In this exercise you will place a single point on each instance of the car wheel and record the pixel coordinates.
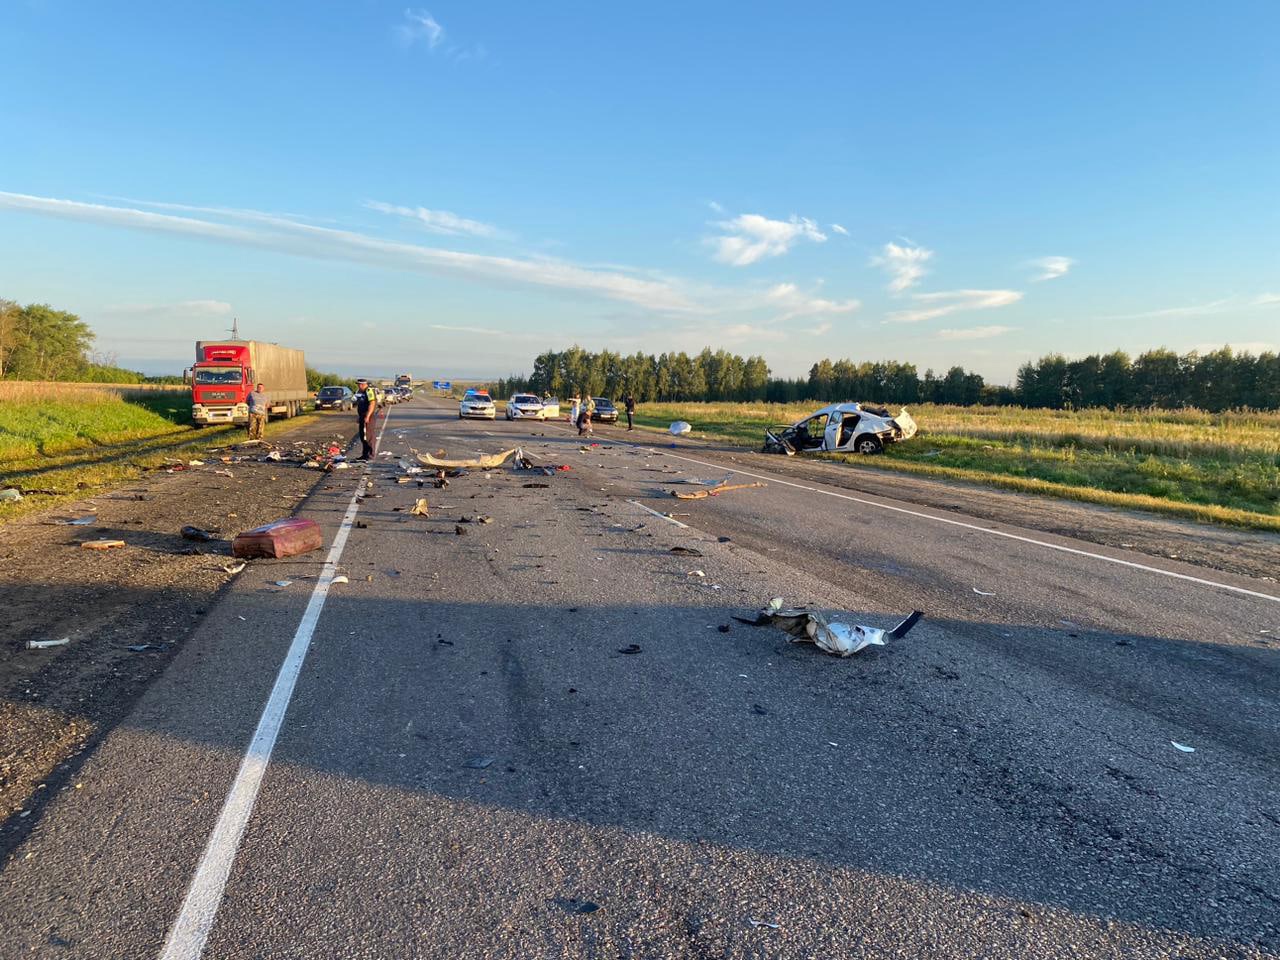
(868, 444)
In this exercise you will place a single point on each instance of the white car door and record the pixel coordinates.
(831, 436)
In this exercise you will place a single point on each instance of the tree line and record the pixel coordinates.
(1215, 381)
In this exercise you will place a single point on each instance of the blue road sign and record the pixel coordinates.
(441, 384)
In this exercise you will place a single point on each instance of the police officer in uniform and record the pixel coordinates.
(366, 407)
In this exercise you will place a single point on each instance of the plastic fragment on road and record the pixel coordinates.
(679, 428)
(839, 639)
(10, 495)
(273, 455)
(716, 490)
(486, 462)
(1182, 746)
(281, 538)
(343, 465)
(140, 647)
(80, 521)
(283, 583)
(694, 481)
(762, 923)
(630, 648)
(197, 535)
(195, 463)
(536, 486)
(685, 551)
(234, 568)
(340, 578)
(697, 573)
(478, 763)
(419, 508)
(45, 644)
(982, 593)
(101, 544)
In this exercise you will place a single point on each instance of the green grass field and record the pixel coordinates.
(1217, 467)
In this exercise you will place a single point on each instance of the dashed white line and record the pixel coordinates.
(190, 931)
(663, 516)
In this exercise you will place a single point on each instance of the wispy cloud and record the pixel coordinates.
(1051, 268)
(944, 302)
(905, 264)
(1224, 305)
(974, 333)
(836, 228)
(795, 303)
(419, 25)
(738, 332)
(283, 235)
(182, 309)
(751, 237)
(439, 221)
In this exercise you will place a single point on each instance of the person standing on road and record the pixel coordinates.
(584, 416)
(259, 404)
(366, 407)
(629, 403)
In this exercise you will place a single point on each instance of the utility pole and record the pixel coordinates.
(235, 328)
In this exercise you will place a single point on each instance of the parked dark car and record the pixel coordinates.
(606, 412)
(334, 398)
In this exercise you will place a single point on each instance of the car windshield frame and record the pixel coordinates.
(207, 376)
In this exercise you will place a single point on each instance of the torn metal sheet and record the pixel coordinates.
(485, 462)
(840, 639)
(716, 490)
(841, 427)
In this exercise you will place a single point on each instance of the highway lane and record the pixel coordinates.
(1001, 782)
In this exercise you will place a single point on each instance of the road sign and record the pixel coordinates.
(441, 385)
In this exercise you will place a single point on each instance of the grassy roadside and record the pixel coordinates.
(1219, 468)
(71, 444)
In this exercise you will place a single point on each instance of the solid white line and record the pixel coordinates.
(656, 513)
(190, 931)
(980, 529)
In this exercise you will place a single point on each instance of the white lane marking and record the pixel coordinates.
(973, 526)
(190, 931)
(656, 513)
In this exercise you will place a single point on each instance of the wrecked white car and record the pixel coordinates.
(841, 427)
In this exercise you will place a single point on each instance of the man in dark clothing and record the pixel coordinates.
(629, 402)
(366, 407)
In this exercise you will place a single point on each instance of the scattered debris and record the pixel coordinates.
(198, 535)
(630, 648)
(723, 628)
(982, 593)
(1183, 747)
(536, 486)
(283, 583)
(841, 639)
(716, 490)
(762, 923)
(686, 551)
(478, 763)
(234, 568)
(697, 573)
(101, 544)
(81, 521)
(419, 508)
(340, 578)
(273, 455)
(459, 529)
(10, 495)
(140, 647)
(45, 644)
(679, 428)
(758, 710)
(281, 538)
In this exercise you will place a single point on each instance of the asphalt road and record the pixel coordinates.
(470, 765)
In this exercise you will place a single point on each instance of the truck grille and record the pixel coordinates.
(219, 395)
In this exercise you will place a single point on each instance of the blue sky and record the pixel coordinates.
(451, 188)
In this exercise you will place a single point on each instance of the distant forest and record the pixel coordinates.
(1216, 381)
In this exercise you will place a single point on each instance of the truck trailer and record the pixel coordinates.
(226, 371)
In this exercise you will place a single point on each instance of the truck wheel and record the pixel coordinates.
(868, 444)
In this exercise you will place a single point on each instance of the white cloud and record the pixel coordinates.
(439, 221)
(796, 303)
(326, 243)
(179, 310)
(945, 302)
(1051, 268)
(716, 207)
(974, 333)
(746, 331)
(420, 25)
(1224, 305)
(836, 228)
(904, 264)
(750, 238)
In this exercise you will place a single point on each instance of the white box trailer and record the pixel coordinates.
(226, 372)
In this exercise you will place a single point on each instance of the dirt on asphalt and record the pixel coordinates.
(149, 594)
